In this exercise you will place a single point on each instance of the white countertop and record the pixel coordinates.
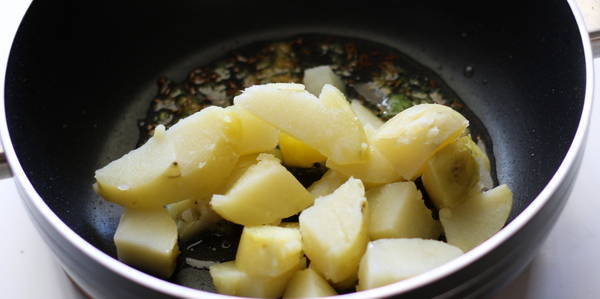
(567, 266)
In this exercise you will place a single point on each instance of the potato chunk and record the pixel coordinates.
(330, 181)
(256, 135)
(147, 239)
(297, 153)
(315, 78)
(308, 284)
(411, 137)
(477, 218)
(390, 260)
(229, 280)
(326, 124)
(191, 160)
(268, 250)
(334, 231)
(451, 174)
(366, 116)
(192, 217)
(265, 193)
(398, 211)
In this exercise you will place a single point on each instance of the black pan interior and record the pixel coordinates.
(80, 75)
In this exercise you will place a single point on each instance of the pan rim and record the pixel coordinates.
(33, 199)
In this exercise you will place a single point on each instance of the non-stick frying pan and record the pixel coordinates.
(80, 75)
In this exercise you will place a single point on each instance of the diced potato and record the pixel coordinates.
(205, 145)
(132, 181)
(265, 193)
(485, 173)
(326, 124)
(334, 231)
(411, 137)
(268, 250)
(308, 284)
(229, 280)
(315, 78)
(191, 160)
(147, 240)
(451, 174)
(376, 169)
(478, 218)
(365, 115)
(330, 181)
(297, 153)
(398, 211)
(192, 217)
(390, 260)
(256, 135)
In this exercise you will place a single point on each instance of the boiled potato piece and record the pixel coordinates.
(365, 115)
(390, 260)
(192, 217)
(205, 146)
(398, 211)
(485, 173)
(308, 284)
(265, 193)
(411, 137)
(147, 240)
(229, 280)
(191, 160)
(315, 78)
(451, 174)
(132, 181)
(330, 181)
(478, 218)
(268, 250)
(296, 153)
(256, 135)
(376, 169)
(334, 231)
(326, 124)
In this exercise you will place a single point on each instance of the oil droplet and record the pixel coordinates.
(532, 154)
(225, 244)
(468, 71)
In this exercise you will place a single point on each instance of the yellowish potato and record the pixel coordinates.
(334, 231)
(147, 240)
(131, 181)
(263, 194)
(229, 280)
(411, 137)
(267, 250)
(192, 217)
(308, 284)
(477, 218)
(191, 160)
(296, 153)
(326, 124)
(315, 78)
(390, 260)
(451, 174)
(398, 211)
(256, 135)
(330, 181)
(365, 115)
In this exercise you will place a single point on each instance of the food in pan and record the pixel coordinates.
(401, 194)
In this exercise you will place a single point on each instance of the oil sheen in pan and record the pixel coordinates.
(382, 78)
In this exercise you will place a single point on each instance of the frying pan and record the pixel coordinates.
(80, 75)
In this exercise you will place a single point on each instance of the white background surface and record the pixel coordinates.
(568, 265)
